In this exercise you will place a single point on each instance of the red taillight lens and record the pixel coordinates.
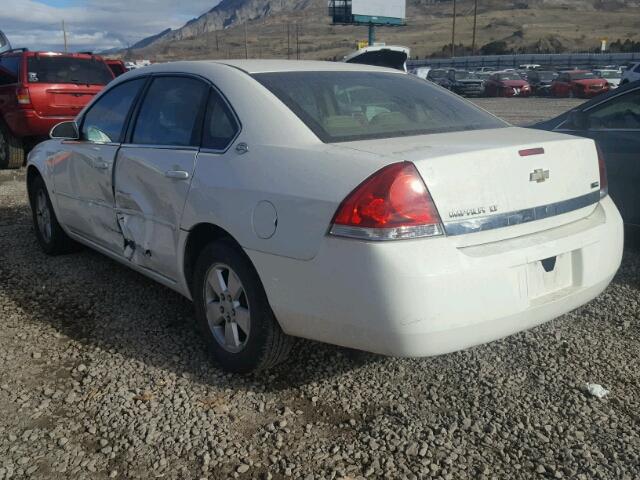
(22, 94)
(393, 203)
(604, 181)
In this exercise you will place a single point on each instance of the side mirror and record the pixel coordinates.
(65, 131)
(578, 120)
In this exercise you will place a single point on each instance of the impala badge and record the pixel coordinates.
(539, 175)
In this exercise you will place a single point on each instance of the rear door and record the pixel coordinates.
(83, 169)
(154, 170)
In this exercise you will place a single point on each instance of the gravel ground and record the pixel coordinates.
(103, 377)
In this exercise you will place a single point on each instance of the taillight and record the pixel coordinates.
(22, 94)
(393, 204)
(604, 181)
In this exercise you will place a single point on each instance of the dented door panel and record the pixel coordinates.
(150, 197)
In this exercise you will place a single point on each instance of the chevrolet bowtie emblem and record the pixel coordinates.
(539, 175)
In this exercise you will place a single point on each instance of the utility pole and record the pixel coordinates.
(297, 41)
(64, 34)
(288, 41)
(475, 26)
(215, 32)
(246, 46)
(453, 32)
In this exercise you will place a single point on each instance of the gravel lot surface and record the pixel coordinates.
(103, 376)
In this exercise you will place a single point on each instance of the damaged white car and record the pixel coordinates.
(348, 204)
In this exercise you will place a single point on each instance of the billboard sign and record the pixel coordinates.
(379, 11)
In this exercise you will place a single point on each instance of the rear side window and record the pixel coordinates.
(220, 126)
(60, 69)
(105, 121)
(9, 70)
(347, 106)
(171, 112)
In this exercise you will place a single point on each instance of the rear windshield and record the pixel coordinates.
(347, 106)
(437, 73)
(84, 71)
(465, 76)
(509, 76)
(607, 74)
(582, 76)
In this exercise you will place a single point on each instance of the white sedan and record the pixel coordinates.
(343, 203)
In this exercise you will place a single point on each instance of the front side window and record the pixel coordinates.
(621, 113)
(346, 106)
(61, 69)
(171, 112)
(105, 121)
(220, 126)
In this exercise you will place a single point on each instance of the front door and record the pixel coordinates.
(154, 169)
(83, 169)
(615, 126)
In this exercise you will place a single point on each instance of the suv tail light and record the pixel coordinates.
(22, 94)
(604, 181)
(393, 204)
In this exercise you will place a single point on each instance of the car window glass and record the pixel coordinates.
(171, 112)
(345, 106)
(622, 112)
(104, 122)
(220, 127)
(62, 69)
(9, 67)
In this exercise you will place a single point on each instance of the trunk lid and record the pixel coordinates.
(62, 100)
(479, 180)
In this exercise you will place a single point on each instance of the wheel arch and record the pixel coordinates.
(201, 235)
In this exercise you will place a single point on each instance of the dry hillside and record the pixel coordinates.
(533, 25)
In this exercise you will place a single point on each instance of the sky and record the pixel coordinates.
(93, 25)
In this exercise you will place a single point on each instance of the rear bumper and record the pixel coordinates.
(28, 123)
(429, 297)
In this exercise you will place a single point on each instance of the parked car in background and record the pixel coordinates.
(421, 72)
(613, 77)
(39, 90)
(302, 191)
(4, 43)
(117, 67)
(578, 84)
(465, 83)
(540, 81)
(530, 66)
(440, 76)
(389, 56)
(631, 74)
(506, 84)
(613, 121)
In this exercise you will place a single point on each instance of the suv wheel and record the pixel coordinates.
(11, 151)
(49, 233)
(233, 312)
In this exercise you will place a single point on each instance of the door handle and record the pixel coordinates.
(177, 174)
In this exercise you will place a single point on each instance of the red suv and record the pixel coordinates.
(39, 90)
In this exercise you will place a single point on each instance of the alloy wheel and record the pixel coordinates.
(43, 216)
(227, 308)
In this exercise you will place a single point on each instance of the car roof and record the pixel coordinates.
(268, 66)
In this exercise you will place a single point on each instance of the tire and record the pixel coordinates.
(51, 237)
(11, 150)
(253, 344)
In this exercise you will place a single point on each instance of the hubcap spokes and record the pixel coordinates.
(43, 216)
(227, 307)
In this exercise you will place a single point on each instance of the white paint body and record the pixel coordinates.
(406, 298)
(632, 74)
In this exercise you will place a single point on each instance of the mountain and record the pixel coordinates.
(220, 32)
